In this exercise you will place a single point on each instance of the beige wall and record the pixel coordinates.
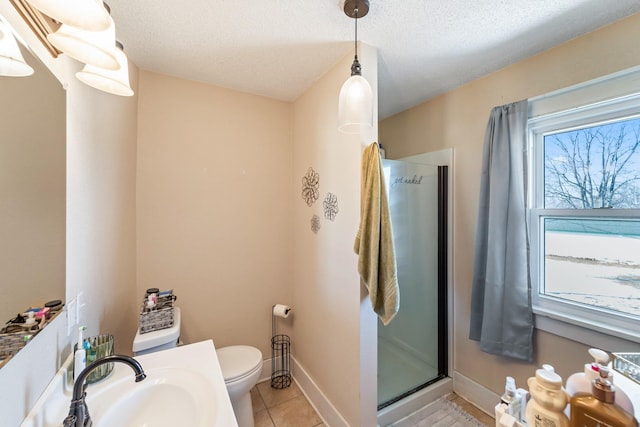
(101, 206)
(330, 341)
(214, 206)
(457, 120)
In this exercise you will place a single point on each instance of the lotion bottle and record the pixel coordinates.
(80, 356)
(598, 408)
(548, 400)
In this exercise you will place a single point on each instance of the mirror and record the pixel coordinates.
(32, 191)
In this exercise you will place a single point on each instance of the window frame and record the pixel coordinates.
(561, 316)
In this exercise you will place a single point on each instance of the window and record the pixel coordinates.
(584, 216)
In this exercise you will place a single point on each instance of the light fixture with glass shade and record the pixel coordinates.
(88, 15)
(355, 106)
(91, 47)
(115, 82)
(12, 63)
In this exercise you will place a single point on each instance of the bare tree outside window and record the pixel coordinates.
(595, 167)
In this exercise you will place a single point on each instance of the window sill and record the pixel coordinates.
(589, 333)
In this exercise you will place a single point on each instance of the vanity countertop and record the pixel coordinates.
(198, 360)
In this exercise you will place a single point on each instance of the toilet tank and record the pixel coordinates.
(158, 340)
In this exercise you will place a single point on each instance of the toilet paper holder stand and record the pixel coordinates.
(280, 352)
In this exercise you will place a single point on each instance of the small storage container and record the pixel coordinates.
(160, 339)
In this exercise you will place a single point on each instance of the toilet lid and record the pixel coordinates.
(238, 360)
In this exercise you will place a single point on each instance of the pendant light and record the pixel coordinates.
(115, 82)
(89, 15)
(12, 62)
(355, 106)
(91, 47)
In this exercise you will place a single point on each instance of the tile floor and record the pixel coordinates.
(289, 408)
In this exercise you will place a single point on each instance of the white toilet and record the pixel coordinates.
(241, 367)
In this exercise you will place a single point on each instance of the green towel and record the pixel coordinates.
(374, 240)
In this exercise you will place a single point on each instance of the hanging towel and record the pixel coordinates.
(374, 240)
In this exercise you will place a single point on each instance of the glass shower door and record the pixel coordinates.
(410, 356)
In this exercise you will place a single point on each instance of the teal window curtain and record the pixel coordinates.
(501, 314)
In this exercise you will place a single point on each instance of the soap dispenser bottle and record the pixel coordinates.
(598, 408)
(580, 382)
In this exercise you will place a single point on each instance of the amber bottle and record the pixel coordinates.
(598, 408)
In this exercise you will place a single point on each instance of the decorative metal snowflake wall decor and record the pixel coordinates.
(331, 206)
(310, 185)
(315, 224)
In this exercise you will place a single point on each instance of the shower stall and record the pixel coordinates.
(413, 348)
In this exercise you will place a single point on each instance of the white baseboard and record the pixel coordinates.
(325, 409)
(476, 393)
(265, 375)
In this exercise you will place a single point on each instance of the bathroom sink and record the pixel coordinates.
(167, 397)
(184, 387)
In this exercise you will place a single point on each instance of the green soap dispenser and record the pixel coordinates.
(598, 408)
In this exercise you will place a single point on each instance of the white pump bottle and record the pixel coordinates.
(580, 382)
(80, 356)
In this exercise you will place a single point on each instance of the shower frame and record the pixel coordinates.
(442, 286)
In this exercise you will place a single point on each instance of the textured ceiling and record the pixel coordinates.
(278, 48)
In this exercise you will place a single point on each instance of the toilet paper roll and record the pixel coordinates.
(280, 310)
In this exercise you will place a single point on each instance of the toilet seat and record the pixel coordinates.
(238, 362)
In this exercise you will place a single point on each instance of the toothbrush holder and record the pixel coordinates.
(100, 347)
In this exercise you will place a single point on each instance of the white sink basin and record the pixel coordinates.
(184, 387)
(167, 397)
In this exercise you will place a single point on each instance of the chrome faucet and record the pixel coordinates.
(79, 412)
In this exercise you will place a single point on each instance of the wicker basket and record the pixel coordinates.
(12, 342)
(158, 317)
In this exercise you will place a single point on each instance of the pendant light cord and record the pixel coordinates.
(355, 42)
(356, 69)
